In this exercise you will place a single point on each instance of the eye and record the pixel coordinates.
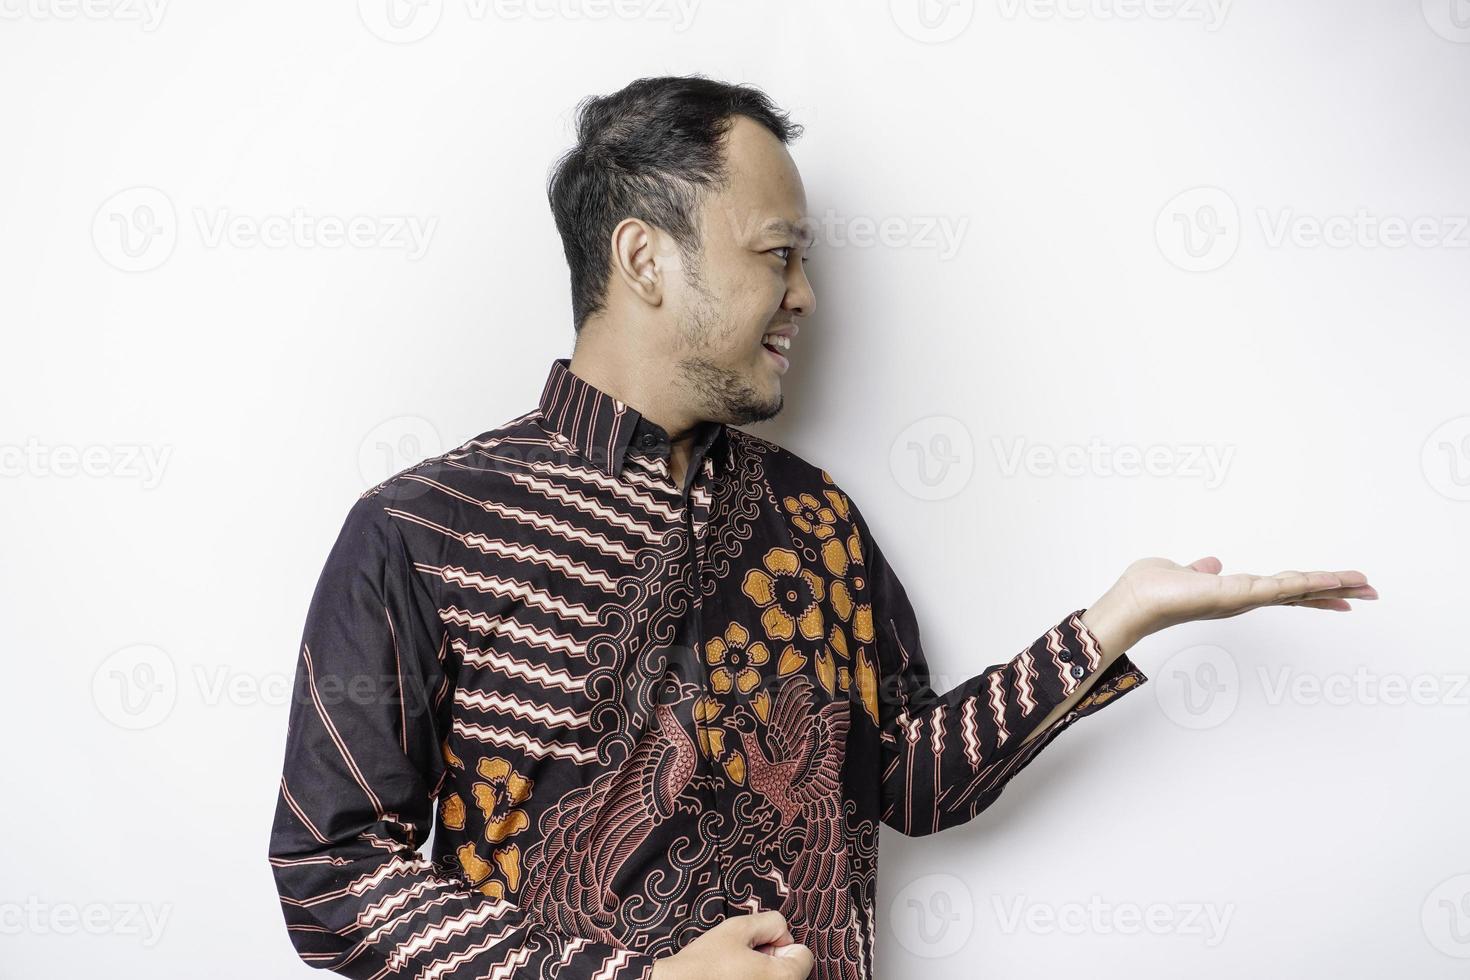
(785, 251)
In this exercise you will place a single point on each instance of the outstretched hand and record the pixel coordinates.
(1156, 593)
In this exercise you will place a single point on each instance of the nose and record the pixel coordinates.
(801, 298)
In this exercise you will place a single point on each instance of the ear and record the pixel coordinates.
(638, 260)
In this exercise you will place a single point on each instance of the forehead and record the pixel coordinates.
(764, 196)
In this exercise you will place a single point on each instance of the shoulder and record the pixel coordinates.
(472, 461)
(799, 482)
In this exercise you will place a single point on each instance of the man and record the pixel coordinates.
(653, 673)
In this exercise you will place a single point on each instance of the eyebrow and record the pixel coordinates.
(780, 226)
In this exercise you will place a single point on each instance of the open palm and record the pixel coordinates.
(1166, 593)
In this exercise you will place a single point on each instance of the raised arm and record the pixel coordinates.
(363, 767)
(947, 756)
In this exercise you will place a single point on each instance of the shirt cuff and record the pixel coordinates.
(1117, 679)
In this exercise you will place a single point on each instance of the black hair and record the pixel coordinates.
(648, 151)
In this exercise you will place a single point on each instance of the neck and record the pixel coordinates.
(605, 359)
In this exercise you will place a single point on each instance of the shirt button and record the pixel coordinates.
(1077, 671)
(1065, 656)
(648, 441)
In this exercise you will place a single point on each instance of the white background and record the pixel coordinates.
(230, 398)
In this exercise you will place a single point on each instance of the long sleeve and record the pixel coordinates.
(363, 767)
(946, 757)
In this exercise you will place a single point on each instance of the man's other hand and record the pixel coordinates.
(743, 947)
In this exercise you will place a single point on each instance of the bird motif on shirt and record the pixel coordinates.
(593, 831)
(802, 780)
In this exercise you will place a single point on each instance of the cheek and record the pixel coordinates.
(754, 302)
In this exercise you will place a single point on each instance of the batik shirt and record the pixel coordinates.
(627, 708)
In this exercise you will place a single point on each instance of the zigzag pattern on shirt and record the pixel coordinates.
(580, 571)
(538, 521)
(509, 704)
(588, 506)
(512, 589)
(970, 731)
(447, 929)
(1054, 646)
(514, 667)
(520, 632)
(1025, 682)
(496, 735)
(621, 489)
(516, 957)
(998, 708)
(1089, 642)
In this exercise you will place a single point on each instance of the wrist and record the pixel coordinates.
(1115, 622)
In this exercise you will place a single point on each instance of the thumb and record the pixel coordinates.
(795, 960)
(759, 928)
(1209, 564)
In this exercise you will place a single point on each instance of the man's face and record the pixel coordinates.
(749, 282)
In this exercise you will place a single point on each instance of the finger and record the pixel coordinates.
(1351, 577)
(1347, 578)
(793, 962)
(1339, 605)
(1292, 585)
(1347, 592)
(1209, 563)
(763, 927)
(783, 940)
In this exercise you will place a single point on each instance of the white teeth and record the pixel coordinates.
(784, 343)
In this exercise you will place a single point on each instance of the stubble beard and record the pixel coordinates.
(723, 394)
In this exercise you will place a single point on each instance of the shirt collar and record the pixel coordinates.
(601, 429)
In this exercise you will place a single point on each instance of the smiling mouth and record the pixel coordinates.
(776, 344)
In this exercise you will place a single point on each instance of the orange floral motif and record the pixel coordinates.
(762, 705)
(735, 767)
(452, 811)
(830, 670)
(867, 684)
(733, 658)
(711, 737)
(477, 870)
(811, 515)
(837, 498)
(500, 797)
(789, 596)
